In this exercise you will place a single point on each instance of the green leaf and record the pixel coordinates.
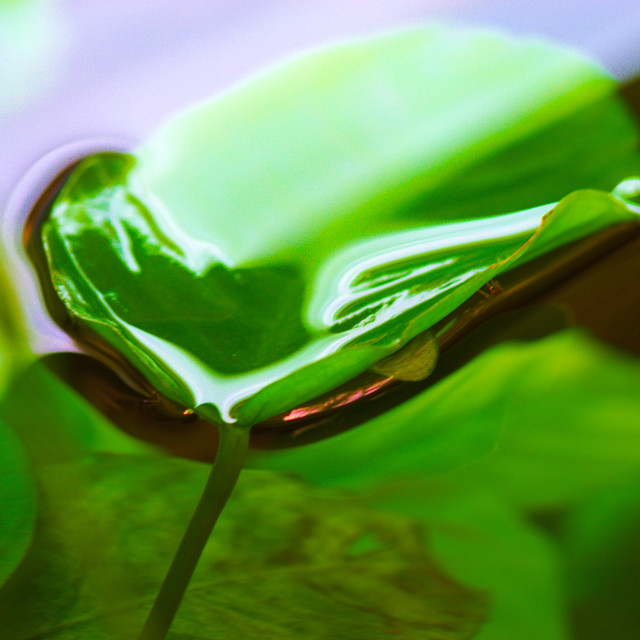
(17, 489)
(430, 434)
(17, 502)
(571, 415)
(556, 419)
(265, 246)
(56, 424)
(600, 540)
(286, 561)
(484, 542)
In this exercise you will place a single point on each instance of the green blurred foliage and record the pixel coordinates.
(524, 431)
(547, 423)
(17, 487)
(17, 502)
(518, 473)
(600, 544)
(12, 344)
(487, 544)
(286, 561)
(58, 425)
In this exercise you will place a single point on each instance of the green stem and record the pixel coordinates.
(232, 450)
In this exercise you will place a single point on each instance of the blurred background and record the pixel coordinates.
(72, 69)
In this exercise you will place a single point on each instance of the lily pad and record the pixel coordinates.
(270, 244)
(286, 561)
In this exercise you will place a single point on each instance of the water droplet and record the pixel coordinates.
(629, 192)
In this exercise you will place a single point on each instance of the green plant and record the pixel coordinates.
(266, 246)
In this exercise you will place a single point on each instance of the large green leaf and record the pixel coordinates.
(557, 418)
(571, 415)
(486, 543)
(269, 244)
(56, 424)
(286, 562)
(600, 541)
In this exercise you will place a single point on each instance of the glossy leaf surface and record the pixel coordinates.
(270, 244)
(544, 424)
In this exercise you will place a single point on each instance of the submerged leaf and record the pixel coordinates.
(267, 246)
(286, 561)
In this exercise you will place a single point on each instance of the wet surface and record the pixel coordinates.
(599, 292)
(122, 69)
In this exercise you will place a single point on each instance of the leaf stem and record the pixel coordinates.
(232, 449)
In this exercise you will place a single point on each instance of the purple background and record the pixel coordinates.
(120, 67)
